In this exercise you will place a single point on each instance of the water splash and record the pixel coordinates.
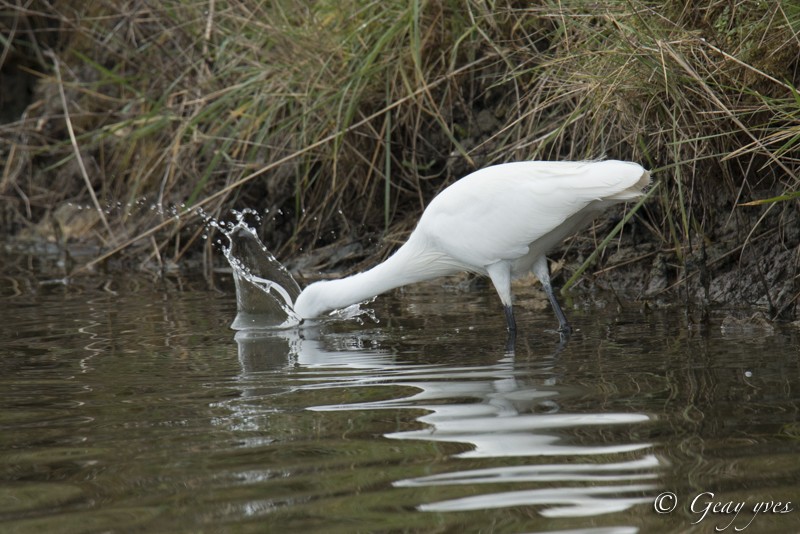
(356, 312)
(265, 290)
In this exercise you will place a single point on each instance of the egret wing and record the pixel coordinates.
(499, 212)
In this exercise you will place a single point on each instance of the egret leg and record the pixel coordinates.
(511, 344)
(542, 272)
(511, 324)
(500, 273)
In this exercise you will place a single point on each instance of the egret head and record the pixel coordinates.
(313, 301)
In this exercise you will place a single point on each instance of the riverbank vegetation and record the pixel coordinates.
(339, 120)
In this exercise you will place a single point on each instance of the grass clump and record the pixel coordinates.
(344, 118)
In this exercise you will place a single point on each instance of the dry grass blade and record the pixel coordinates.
(604, 243)
(772, 200)
(74, 141)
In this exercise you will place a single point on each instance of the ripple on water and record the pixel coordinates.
(143, 411)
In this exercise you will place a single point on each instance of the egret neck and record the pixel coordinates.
(414, 262)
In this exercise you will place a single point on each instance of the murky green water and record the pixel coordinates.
(129, 405)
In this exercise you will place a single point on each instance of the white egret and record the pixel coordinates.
(500, 222)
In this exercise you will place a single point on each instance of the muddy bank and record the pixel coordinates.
(747, 257)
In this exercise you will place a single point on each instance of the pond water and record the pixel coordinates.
(130, 405)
